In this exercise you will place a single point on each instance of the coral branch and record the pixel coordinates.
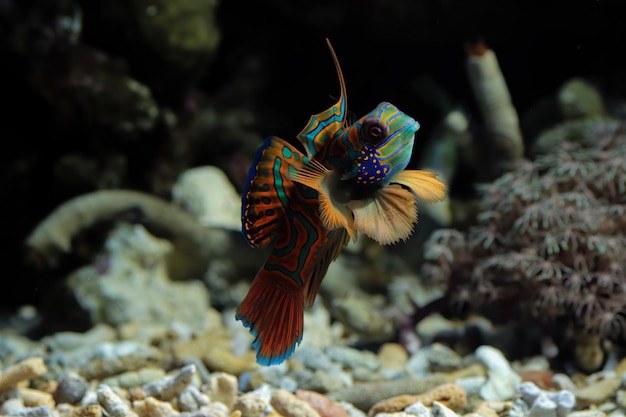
(365, 395)
(451, 395)
(22, 371)
(52, 238)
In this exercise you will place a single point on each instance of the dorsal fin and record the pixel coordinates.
(342, 103)
(327, 124)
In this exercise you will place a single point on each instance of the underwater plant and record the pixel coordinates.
(548, 250)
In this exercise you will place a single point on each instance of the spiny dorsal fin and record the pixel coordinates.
(327, 124)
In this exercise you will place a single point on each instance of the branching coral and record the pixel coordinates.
(549, 245)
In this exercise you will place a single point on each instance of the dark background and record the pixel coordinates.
(384, 46)
(272, 62)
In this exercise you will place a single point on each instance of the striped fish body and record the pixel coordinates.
(307, 201)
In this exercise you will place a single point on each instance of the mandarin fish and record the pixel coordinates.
(308, 200)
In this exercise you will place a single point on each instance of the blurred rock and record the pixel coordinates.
(129, 283)
(208, 194)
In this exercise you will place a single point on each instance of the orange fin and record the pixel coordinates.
(273, 310)
(328, 253)
(267, 192)
(389, 216)
(423, 183)
(333, 214)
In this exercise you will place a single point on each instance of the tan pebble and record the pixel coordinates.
(135, 378)
(561, 381)
(255, 380)
(235, 413)
(220, 359)
(289, 405)
(173, 385)
(66, 410)
(322, 404)
(620, 398)
(101, 368)
(451, 395)
(216, 409)
(222, 387)
(362, 317)
(46, 386)
(22, 371)
(492, 408)
(393, 355)
(251, 406)
(598, 392)
(541, 378)
(473, 370)
(202, 345)
(579, 380)
(587, 413)
(195, 348)
(589, 353)
(364, 395)
(295, 366)
(393, 404)
(111, 401)
(35, 398)
(151, 407)
(274, 413)
(621, 367)
(92, 410)
(136, 394)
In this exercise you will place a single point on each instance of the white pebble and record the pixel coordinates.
(471, 384)
(502, 381)
(529, 392)
(210, 195)
(418, 409)
(543, 406)
(111, 402)
(169, 387)
(440, 410)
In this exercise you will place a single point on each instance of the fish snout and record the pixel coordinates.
(415, 126)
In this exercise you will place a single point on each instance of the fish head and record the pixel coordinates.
(385, 136)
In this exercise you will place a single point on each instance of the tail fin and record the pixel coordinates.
(273, 310)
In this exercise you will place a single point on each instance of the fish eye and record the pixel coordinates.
(373, 132)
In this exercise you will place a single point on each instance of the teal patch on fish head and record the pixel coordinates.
(386, 136)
